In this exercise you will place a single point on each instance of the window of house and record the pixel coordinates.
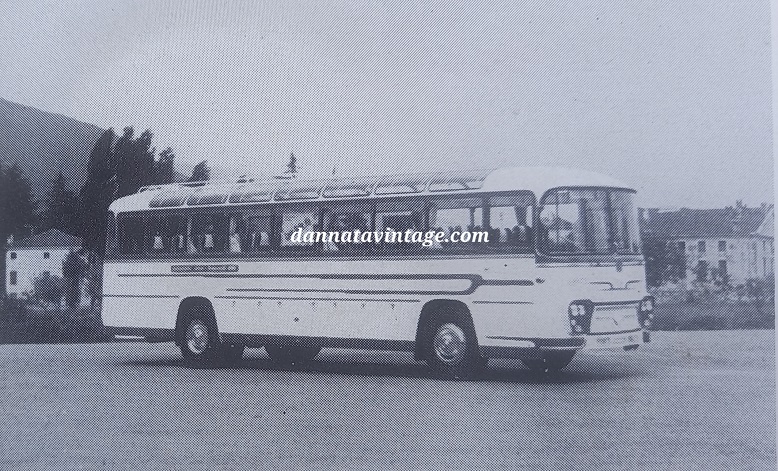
(13, 255)
(12, 277)
(46, 255)
(701, 246)
(682, 246)
(722, 268)
(702, 270)
(722, 246)
(46, 274)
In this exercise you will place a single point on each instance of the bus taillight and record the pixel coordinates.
(646, 312)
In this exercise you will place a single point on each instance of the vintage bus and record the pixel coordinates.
(211, 267)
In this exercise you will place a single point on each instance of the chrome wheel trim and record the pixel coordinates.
(197, 337)
(450, 344)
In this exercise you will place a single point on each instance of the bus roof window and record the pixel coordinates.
(207, 196)
(344, 188)
(399, 184)
(254, 194)
(472, 180)
(299, 191)
(168, 199)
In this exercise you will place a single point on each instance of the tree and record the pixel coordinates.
(200, 172)
(61, 207)
(291, 167)
(97, 194)
(663, 262)
(17, 210)
(164, 167)
(73, 271)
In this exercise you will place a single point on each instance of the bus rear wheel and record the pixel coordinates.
(549, 362)
(199, 343)
(452, 351)
(291, 355)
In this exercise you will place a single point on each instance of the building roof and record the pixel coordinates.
(535, 179)
(725, 222)
(52, 238)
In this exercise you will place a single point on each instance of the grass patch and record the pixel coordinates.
(73, 326)
(718, 316)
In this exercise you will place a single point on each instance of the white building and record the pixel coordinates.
(29, 258)
(736, 241)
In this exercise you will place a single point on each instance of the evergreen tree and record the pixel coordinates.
(200, 172)
(291, 167)
(61, 207)
(97, 194)
(165, 169)
(17, 210)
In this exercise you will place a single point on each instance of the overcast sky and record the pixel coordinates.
(674, 97)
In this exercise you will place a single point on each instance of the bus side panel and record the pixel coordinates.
(139, 302)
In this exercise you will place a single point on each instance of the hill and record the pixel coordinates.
(43, 144)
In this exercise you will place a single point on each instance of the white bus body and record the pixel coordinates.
(578, 281)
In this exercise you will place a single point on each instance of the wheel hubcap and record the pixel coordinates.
(197, 337)
(450, 344)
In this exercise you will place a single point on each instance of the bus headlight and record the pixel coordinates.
(646, 312)
(579, 314)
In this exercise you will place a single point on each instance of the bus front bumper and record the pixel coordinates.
(516, 347)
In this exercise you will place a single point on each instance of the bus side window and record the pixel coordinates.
(294, 219)
(347, 218)
(511, 222)
(394, 219)
(131, 235)
(254, 229)
(460, 215)
(207, 233)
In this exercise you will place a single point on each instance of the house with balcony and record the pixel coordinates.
(735, 242)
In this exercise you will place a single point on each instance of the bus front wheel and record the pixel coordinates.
(452, 351)
(549, 362)
(291, 355)
(198, 340)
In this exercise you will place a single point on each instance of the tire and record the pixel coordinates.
(549, 362)
(232, 353)
(452, 349)
(291, 355)
(199, 340)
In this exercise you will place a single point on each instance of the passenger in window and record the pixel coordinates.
(158, 246)
(234, 236)
(208, 239)
(190, 245)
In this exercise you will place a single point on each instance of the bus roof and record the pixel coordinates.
(204, 194)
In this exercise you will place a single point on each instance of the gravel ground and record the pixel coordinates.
(688, 400)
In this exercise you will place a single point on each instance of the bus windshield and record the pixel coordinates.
(589, 221)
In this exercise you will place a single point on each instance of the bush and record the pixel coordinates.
(48, 288)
